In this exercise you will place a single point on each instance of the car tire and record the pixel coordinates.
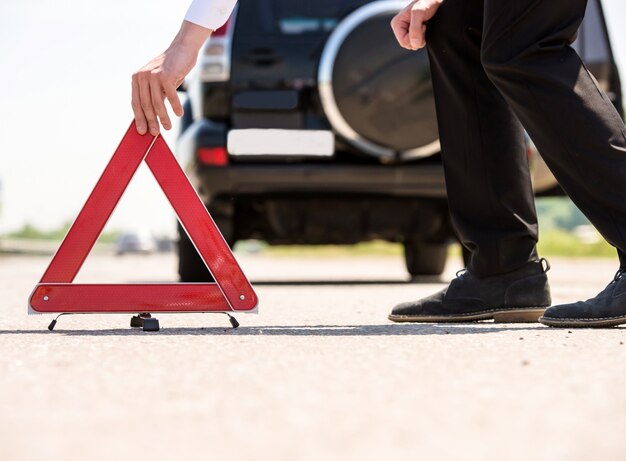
(191, 268)
(425, 258)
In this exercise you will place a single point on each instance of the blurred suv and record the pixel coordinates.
(306, 123)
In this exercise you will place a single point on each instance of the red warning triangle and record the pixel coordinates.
(56, 293)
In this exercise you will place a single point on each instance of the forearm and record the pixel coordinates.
(202, 18)
(190, 37)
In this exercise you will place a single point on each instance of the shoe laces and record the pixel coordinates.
(619, 274)
(461, 272)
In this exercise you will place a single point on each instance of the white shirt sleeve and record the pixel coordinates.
(211, 14)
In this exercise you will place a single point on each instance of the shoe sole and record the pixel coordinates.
(522, 315)
(583, 323)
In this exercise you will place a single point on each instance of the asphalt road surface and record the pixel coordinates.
(319, 374)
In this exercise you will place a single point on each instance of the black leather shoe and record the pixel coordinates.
(608, 309)
(518, 296)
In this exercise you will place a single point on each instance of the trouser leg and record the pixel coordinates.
(484, 153)
(527, 54)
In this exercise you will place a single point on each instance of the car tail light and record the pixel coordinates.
(215, 60)
(222, 31)
(214, 156)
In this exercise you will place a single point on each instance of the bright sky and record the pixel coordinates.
(65, 82)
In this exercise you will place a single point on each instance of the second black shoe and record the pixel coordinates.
(519, 296)
(607, 309)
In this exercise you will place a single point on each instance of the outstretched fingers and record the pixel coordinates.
(174, 100)
(140, 118)
(145, 98)
(158, 97)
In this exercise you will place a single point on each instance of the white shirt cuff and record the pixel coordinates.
(211, 14)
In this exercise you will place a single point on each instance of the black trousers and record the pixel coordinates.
(496, 63)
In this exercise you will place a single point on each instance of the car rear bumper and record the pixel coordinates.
(421, 181)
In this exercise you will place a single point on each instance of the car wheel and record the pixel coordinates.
(425, 258)
(191, 268)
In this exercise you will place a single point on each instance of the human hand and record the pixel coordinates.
(160, 78)
(409, 25)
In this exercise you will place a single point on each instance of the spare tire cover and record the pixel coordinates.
(383, 91)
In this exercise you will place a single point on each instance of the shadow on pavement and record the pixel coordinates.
(317, 330)
(422, 279)
(417, 280)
